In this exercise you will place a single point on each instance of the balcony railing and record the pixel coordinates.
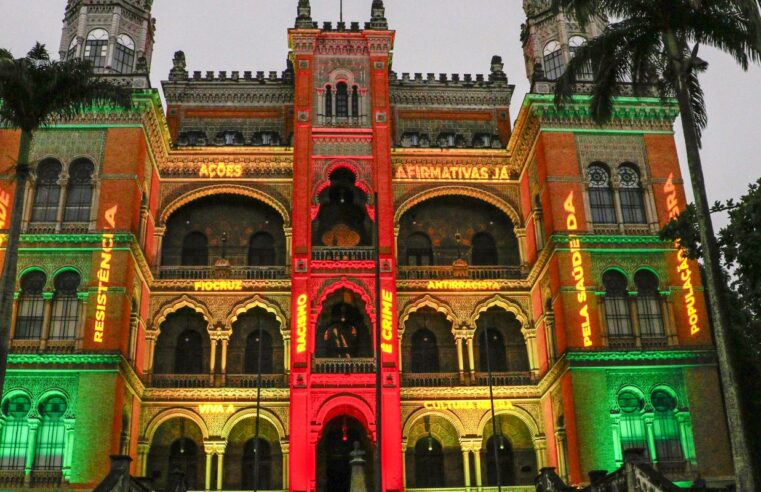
(231, 272)
(250, 380)
(181, 380)
(468, 272)
(363, 253)
(430, 380)
(505, 488)
(343, 366)
(505, 378)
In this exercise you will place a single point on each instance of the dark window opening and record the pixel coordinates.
(342, 100)
(419, 250)
(484, 250)
(425, 352)
(261, 250)
(195, 250)
(48, 192)
(79, 193)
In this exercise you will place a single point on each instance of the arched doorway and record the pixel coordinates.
(183, 345)
(343, 328)
(241, 468)
(433, 458)
(177, 447)
(515, 454)
(334, 454)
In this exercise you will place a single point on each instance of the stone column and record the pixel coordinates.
(143, 448)
(14, 314)
(96, 183)
(288, 245)
(460, 361)
(158, 239)
(115, 21)
(466, 468)
(477, 462)
(31, 449)
(529, 336)
(540, 448)
(68, 449)
(220, 467)
(634, 316)
(667, 307)
(471, 358)
(47, 314)
(150, 349)
(616, 429)
(223, 361)
(213, 360)
(80, 336)
(549, 335)
(616, 185)
(650, 434)
(284, 449)
(562, 459)
(602, 319)
(520, 234)
(208, 449)
(63, 183)
(31, 186)
(287, 353)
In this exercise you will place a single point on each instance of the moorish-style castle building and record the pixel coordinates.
(170, 256)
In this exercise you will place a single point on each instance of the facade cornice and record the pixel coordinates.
(420, 94)
(696, 356)
(225, 92)
(205, 395)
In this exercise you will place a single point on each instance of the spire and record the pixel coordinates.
(378, 20)
(304, 18)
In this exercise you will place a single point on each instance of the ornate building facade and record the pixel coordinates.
(180, 264)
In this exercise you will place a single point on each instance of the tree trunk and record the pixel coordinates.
(10, 261)
(714, 278)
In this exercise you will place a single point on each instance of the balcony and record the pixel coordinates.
(464, 272)
(504, 488)
(228, 272)
(343, 366)
(218, 380)
(363, 253)
(505, 379)
(431, 380)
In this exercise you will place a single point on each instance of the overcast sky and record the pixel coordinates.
(452, 36)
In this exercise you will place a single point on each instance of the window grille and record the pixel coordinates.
(31, 307)
(617, 312)
(553, 61)
(64, 320)
(79, 192)
(51, 439)
(632, 426)
(601, 195)
(630, 191)
(668, 446)
(96, 48)
(124, 54)
(586, 73)
(15, 433)
(342, 100)
(649, 304)
(48, 192)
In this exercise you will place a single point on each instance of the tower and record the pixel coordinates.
(342, 161)
(116, 36)
(550, 38)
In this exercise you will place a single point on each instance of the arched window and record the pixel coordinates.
(497, 358)
(195, 250)
(72, 51)
(355, 101)
(15, 434)
(668, 446)
(429, 463)
(329, 101)
(617, 305)
(31, 306)
(484, 250)
(419, 250)
(506, 461)
(183, 457)
(649, 304)
(64, 320)
(253, 348)
(124, 54)
(261, 249)
(342, 100)
(425, 352)
(632, 427)
(48, 191)
(631, 194)
(263, 479)
(79, 192)
(601, 194)
(574, 43)
(51, 436)
(96, 48)
(553, 60)
(188, 354)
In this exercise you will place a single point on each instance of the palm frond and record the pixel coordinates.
(5, 54)
(38, 52)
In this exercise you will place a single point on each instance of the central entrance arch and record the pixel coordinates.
(334, 454)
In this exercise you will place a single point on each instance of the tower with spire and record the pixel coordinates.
(550, 37)
(117, 37)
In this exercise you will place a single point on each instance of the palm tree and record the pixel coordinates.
(36, 92)
(653, 44)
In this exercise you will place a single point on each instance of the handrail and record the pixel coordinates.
(430, 380)
(364, 365)
(359, 253)
(468, 272)
(232, 272)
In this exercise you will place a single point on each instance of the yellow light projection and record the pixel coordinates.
(104, 275)
(467, 405)
(683, 267)
(579, 275)
(220, 170)
(301, 324)
(218, 285)
(463, 285)
(452, 173)
(387, 321)
(215, 409)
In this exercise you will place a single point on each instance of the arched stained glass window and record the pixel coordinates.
(96, 48)
(601, 194)
(631, 194)
(617, 312)
(31, 306)
(631, 424)
(668, 446)
(649, 304)
(64, 320)
(15, 433)
(124, 54)
(553, 60)
(47, 192)
(79, 192)
(51, 437)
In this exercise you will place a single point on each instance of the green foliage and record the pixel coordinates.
(684, 229)
(639, 47)
(35, 92)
